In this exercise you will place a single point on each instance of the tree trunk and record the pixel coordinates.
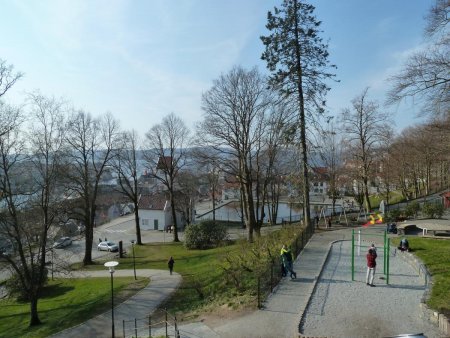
(138, 226)
(34, 317)
(214, 202)
(89, 236)
(249, 211)
(366, 194)
(174, 218)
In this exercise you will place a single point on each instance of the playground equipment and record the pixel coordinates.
(343, 213)
(386, 250)
(375, 218)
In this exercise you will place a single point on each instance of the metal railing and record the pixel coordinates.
(159, 323)
(271, 276)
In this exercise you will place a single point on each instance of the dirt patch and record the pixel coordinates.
(223, 313)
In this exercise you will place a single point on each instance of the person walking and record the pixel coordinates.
(287, 259)
(371, 266)
(283, 264)
(170, 264)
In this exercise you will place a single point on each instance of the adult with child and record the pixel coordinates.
(404, 245)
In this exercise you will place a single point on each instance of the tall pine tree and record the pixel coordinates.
(298, 59)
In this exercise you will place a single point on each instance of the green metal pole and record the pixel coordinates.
(353, 254)
(384, 251)
(387, 263)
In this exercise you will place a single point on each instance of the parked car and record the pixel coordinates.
(62, 242)
(107, 246)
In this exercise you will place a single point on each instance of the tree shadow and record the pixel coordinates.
(55, 290)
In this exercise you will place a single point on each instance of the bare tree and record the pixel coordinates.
(331, 155)
(166, 156)
(91, 143)
(437, 18)
(387, 163)
(188, 182)
(32, 197)
(363, 125)
(234, 114)
(209, 172)
(126, 165)
(7, 77)
(425, 75)
(272, 168)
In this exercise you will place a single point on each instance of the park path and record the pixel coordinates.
(284, 310)
(143, 303)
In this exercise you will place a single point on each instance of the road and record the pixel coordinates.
(120, 229)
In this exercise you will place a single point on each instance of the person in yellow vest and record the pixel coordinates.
(287, 258)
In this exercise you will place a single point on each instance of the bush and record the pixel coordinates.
(412, 209)
(393, 215)
(204, 235)
(433, 210)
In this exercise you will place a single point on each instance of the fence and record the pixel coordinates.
(159, 323)
(435, 199)
(271, 276)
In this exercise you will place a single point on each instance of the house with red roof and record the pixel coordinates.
(155, 212)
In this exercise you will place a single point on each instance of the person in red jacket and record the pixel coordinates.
(371, 266)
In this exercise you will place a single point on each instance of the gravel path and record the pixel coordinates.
(342, 308)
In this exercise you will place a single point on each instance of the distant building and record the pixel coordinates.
(319, 181)
(155, 213)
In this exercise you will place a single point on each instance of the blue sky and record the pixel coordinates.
(144, 59)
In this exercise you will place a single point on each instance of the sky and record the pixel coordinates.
(144, 59)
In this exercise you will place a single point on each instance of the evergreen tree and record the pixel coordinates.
(298, 59)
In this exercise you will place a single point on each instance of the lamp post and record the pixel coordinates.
(110, 265)
(134, 259)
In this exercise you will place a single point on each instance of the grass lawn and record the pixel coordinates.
(203, 280)
(394, 197)
(435, 254)
(65, 303)
(205, 285)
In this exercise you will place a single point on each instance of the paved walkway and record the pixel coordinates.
(280, 316)
(283, 310)
(161, 286)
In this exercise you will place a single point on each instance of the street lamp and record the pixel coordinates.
(134, 259)
(111, 266)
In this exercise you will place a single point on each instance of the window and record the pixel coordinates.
(145, 222)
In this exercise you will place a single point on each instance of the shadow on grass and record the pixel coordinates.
(55, 291)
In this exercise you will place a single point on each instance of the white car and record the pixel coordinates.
(107, 246)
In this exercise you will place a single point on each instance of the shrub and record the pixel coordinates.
(412, 209)
(433, 210)
(393, 215)
(204, 235)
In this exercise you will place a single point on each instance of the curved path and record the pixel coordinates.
(288, 305)
(161, 286)
(284, 309)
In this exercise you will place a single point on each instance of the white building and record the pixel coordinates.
(155, 213)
